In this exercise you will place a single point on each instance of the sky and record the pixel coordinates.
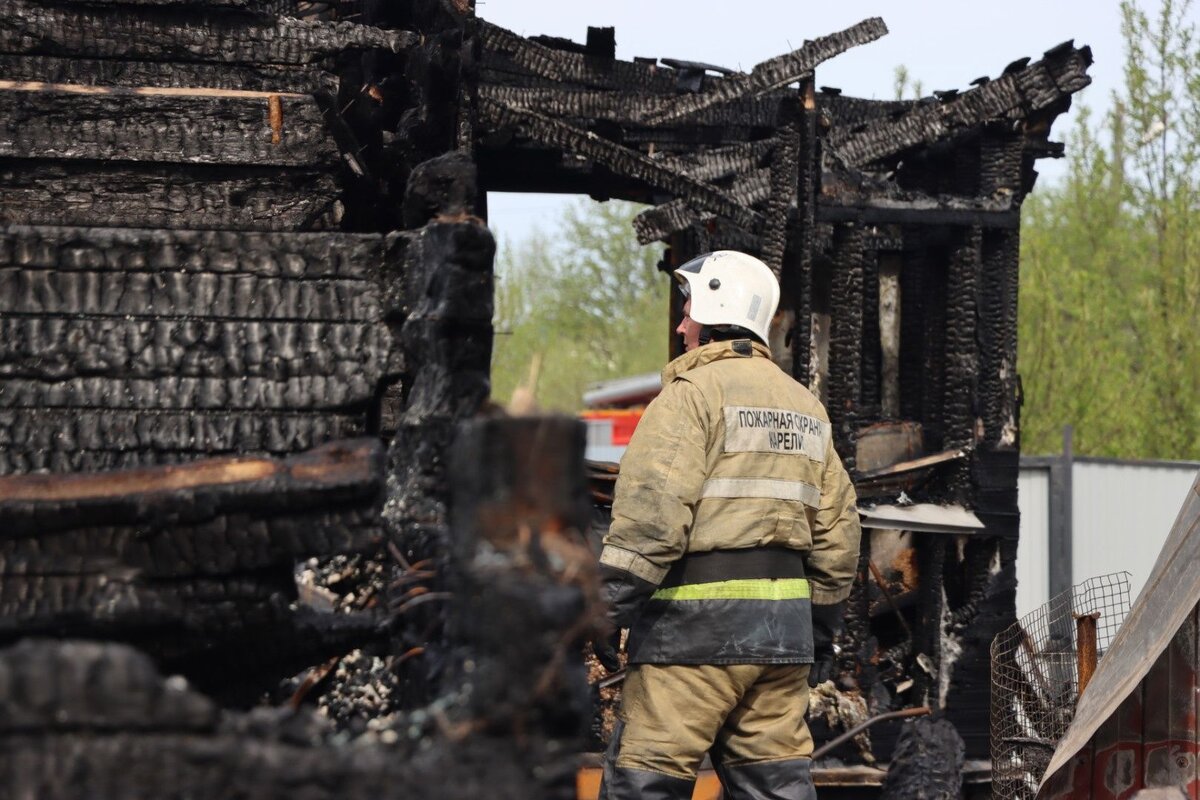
(944, 44)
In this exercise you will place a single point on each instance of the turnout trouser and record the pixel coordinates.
(749, 717)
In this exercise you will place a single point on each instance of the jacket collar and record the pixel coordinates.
(713, 351)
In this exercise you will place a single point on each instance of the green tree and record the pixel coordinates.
(590, 302)
(1110, 270)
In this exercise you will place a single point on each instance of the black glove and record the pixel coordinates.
(826, 622)
(605, 645)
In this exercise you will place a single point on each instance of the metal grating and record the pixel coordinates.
(1035, 680)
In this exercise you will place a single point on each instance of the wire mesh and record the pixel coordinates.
(1035, 680)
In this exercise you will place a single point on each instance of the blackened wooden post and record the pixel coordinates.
(524, 593)
(1001, 175)
(784, 177)
(445, 329)
(784, 161)
(803, 236)
(845, 348)
(962, 351)
(869, 383)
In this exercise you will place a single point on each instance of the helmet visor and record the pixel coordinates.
(693, 267)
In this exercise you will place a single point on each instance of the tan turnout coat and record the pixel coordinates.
(733, 455)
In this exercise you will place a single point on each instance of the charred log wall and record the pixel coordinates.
(228, 232)
(164, 295)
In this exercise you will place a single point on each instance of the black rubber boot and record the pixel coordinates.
(625, 783)
(769, 780)
(622, 783)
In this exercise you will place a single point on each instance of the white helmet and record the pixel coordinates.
(730, 288)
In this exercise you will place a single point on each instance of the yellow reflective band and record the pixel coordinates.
(751, 589)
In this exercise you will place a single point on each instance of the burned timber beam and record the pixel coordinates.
(281, 7)
(776, 72)
(983, 212)
(210, 126)
(169, 196)
(1013, 96)
(721, 162)
(334, 472)
(619, 159)
(656, 224)
(628, 108)
(567, 67)
(154, 33)
(84, 72)
(93, 719)
(193, 562)
(783, 183)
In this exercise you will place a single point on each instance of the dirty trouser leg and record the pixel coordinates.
(669, 717)
(762, 751)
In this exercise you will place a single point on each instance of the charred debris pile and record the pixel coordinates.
(246, 295)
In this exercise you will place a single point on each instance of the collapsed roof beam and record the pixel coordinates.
(627, 108)
(619, 159)
(656, 224)
(721, 162)
(1012, 96)
(776, 72)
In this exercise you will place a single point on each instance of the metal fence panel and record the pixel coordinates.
(1035, 679)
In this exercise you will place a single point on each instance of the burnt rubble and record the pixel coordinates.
(245, 339)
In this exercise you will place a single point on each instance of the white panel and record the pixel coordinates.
(1033, 547)
(1122, 514)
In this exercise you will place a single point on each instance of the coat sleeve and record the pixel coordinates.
(662, 472)
(836, 533)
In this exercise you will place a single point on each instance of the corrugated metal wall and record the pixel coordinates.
(1033, 573)
(1122, 512)
(1122, 515)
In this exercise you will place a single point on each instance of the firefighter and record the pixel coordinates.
(733, 544)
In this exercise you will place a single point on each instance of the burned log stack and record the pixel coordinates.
(246, 309)
(246, 302)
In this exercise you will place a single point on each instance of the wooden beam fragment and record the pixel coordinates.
(776, 72)
(86, 72)
(192, 126)
(147, 32)
(656, 224)
(564, 67)
(339, 470)
(1012, 96)
(346, 256)
(145, 195)
(65, 440)
(619, 159)
(630, 108)
(721, 162)
(917, 210)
